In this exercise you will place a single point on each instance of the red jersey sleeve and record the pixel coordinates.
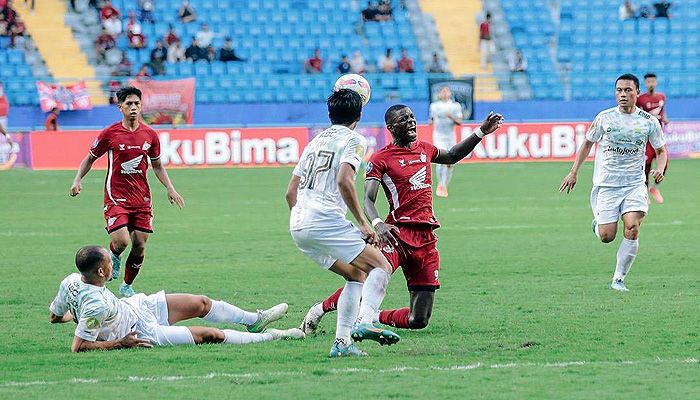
(154, 150)
(431, 150)
(101, 144)
(375, 167)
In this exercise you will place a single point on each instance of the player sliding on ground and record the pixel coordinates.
(128, 211)
(402, 169)
(107, 323)
(319, 194)
(618, 191)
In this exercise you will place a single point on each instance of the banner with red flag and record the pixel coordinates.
(69, 97)
(166, 102)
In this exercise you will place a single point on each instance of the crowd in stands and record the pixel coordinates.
(386, 63)
(10, 23)
(658, 10)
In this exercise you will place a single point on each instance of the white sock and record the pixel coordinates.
(376, 317)
(238, 337)
(441, 175)
(372, 294)
(348, 307)
(448, 175)
(318, 309)
(222, 311)
(625, 257)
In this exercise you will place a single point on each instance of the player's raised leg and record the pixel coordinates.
(134, 262)
(628, 249)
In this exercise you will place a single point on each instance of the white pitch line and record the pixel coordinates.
(535, 226)
(394, 370)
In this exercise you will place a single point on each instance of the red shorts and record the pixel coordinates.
(136, 219)
(651, 153)
(418, 257)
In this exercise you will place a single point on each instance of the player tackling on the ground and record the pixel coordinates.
(107, 323)
(445, 114)
(622, 134)
(654, 103)
(319, 194)
(403, 170)
(129, 145)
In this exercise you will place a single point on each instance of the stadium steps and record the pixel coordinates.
(456, 25)
(55, 43)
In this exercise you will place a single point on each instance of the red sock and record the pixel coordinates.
(111, 248)
(133, 266)
(396, 318)
(331, 303)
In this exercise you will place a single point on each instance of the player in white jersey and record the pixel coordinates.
(445, 114)
(319, 194)
(107, 323)
(618, 176)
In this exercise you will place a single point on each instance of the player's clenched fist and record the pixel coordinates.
(75, 189)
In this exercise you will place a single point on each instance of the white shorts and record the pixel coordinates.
(609, 203)
(153, 325)
(444, 140)
(326, 244)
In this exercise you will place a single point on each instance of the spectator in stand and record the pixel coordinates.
(385, 13)
(627, 11)
(146, 11)
(143, 74)
(386, 62)
(406, 63)
(114, 87)
(227, 53)
(485, 41)
(344, 66)
(17, 31)
(436, 66)
(176, 53)
(194, 52)
(51, 123)
(132, 23)
(103, 44)
(357, 64)
(204, 36)
(171, 37)
(107, 11)
(518, 63)
(186, 13)
(314, 65)
(136, 39)
(211, 53)
(113, 25)
(370, 14)
(662, 8)
(158, 56)
(124, 66)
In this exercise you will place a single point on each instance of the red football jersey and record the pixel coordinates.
(406, 177)
(127, 163)
(653, 104)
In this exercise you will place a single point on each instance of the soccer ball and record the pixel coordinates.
(356, 83)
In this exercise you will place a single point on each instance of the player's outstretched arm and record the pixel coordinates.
(55, 319)
(85, 167)
(570, 179)
(462, 149)
(383, 229)
(292, 191)
(163, 177)
(346, 187)
(126, 342)
(661, 163)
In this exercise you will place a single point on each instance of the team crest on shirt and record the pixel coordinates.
(388, 249)
(402, 162)
(121, 147)
(146, 146)
(369, 167)
(423, 157)
(92, 323)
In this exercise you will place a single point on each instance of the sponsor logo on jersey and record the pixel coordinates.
(622, 150)
(388, 249)
(417, 181)
(146, 146)
(129, 167)
(133, 147)
(369, 167)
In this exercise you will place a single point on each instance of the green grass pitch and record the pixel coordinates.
(524, 312)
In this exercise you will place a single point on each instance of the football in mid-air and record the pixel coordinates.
(357, 83)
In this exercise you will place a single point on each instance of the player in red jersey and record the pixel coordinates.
(403, 170)
(129, 144)
(654, 103)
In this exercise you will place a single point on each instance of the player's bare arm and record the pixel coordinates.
(7, 135)
(85, 167)
(55, 319)
(127, 342)
(661, 162)
(570, 179)
(346, 187)
(462, 149)
(162, 175)
(292, 191)
(383, 229)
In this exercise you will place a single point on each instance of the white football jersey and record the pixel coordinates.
(622, 140)
(318, 200)
(439, 111)
(98, 313)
